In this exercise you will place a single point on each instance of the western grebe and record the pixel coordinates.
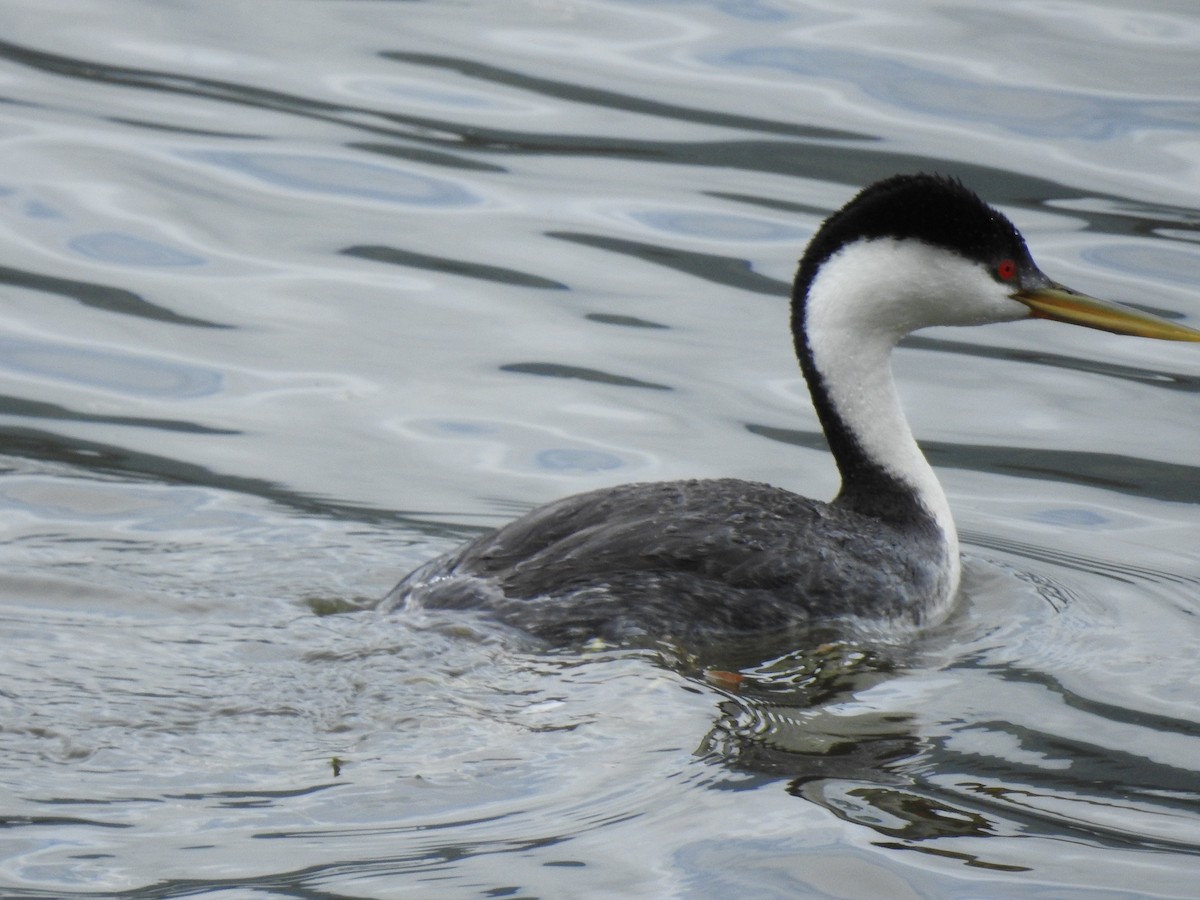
(687, 559)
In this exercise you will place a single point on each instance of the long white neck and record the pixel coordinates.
(852, 325)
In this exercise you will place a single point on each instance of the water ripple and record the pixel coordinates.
(1035, 112)
(463, 267)
(344, 177)
(131, 250)
(462, 258)
(140, 376)
(100, 296)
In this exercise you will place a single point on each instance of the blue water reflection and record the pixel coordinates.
(1072, 518)
(131, 250)
(746, 10)
(1031, 111)
(717, 226)
(37, 209)
(518, 448)
(566, 459)
(344, 177)
(138, 376)
(1154, 260)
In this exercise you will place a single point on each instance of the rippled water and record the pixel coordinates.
(299, 294)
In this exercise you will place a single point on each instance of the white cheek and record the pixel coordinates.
(889, 288)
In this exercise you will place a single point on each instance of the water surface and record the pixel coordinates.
(297, 295)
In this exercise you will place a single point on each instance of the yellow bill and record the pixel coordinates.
(1062, 304)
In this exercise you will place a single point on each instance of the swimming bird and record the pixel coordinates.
(702, 559)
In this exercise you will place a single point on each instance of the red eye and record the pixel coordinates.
(1006, 270)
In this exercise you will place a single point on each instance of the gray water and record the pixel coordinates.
(297, 295)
